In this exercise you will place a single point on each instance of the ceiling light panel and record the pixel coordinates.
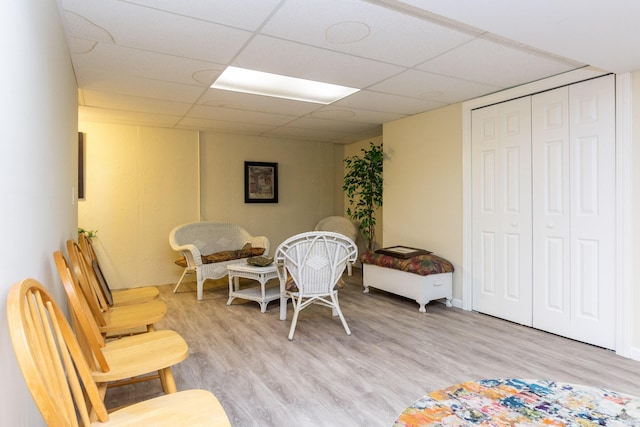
(279, 86)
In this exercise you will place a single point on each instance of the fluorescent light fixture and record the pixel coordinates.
(267, 84)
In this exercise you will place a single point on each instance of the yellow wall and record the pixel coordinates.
(305, 184)
(423, 185)
(141, 182)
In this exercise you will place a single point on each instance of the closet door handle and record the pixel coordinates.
(551, 225)
(514, 224)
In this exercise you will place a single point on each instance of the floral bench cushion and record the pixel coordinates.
(421, 264)
(225, 256)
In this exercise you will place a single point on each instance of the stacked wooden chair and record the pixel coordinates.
(121, 361)
(114, 297)
(111, 319)
(62, 382)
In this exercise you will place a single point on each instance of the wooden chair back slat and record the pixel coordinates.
(87, 329)
(50, 358)
(88, 282)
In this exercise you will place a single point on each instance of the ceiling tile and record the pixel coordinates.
(240, 116)
(146, 64)
(494, 63)
(433, 87)
(231, 13)
(95, 80)
(307, 62)
(114, 101)
(369, 100)
(158, 31)
(363, 29)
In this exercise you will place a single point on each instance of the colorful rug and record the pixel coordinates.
(520, 403)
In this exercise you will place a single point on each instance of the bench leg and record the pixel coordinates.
(184, 273)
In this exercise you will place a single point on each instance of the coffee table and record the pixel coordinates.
(261, 294)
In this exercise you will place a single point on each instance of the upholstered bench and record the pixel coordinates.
(422, 277)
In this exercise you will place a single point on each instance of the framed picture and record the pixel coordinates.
(260, 182)
(402, 251)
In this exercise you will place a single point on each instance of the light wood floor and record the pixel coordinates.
(394, 356)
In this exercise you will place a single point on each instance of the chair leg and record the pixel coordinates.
(336, 304)
(167, 380)
(200, 281)
(296, 310)
(184, 273)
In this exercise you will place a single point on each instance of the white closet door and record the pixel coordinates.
(551, 211)
(574, 211)
(592, 107)
(501, 163)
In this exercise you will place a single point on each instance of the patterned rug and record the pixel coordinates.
(520, 403)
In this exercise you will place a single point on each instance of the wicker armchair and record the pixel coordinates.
(200, 242)
(315, 262)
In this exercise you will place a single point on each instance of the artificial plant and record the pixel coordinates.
(363, 187)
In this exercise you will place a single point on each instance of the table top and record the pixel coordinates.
(519, 402)
(246, 267)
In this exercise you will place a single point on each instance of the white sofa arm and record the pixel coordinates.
(191, 253)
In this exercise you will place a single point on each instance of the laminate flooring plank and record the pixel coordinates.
(394, 356)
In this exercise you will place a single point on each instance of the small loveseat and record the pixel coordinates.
(207, 247)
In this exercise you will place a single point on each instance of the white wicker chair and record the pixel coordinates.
(196, 239)
(342, 225)
(315, 261)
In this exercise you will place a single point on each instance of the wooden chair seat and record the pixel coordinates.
(59, 378)
(134, 295)
(186, 408)
(132, 316)
(136, 355)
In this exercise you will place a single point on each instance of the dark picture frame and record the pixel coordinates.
(260, 182)
(81, 166)
(403, 252)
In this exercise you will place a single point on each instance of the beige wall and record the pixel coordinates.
(306, 183)
(37, 171)
(423, 185)
(141, 182)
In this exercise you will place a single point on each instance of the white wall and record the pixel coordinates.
(37, 170)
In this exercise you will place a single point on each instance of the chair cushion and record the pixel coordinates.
(225, 256)
(291, 286)
(421, 264)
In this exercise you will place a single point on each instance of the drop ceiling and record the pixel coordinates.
(151, 62)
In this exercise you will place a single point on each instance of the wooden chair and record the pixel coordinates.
(112, 320)
(315, 261)
(115, 297)
(60, 380)
(126, 360)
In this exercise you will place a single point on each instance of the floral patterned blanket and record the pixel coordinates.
(517, 402)
(421, 264)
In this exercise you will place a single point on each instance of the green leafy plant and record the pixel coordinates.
(363, 187)
(89, 233)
